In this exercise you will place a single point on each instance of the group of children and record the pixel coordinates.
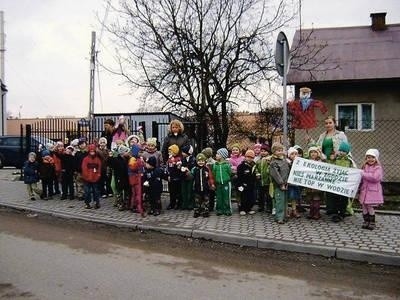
(133, 173)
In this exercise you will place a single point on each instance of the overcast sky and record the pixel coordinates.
(48, 46)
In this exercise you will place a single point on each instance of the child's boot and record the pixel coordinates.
(366, 221)
(317, 204)
(294, 213)
(311, 212)
(372, 224)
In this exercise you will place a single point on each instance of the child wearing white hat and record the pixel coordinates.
(371, 194)
(294, 191)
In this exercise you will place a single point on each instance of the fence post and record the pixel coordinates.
(28, 135)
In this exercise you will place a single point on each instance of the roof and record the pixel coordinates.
(345, 53)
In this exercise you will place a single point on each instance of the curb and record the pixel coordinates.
(225, 238)
(321, 250)
(373, 258)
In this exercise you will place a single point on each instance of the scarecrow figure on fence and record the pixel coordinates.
(303, 110)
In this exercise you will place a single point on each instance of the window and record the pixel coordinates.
(14, 141)
(355, 116)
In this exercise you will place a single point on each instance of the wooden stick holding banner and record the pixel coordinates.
(325, 177)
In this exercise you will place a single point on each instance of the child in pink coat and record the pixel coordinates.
(371, 194)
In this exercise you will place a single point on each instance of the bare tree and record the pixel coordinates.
(198, 57)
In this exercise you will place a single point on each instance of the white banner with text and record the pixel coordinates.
(325, 177)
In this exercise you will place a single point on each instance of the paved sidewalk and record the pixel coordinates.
(344, 240)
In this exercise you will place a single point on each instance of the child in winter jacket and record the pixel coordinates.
(279, 171)
(47, 173)
(294, 191)
(203, 183)
(222, 175)
(174, 174)
(31, 176)
(314, 196)
(151, 150)
(246, 182)
(208, 153)
(340, 203)
(188, 163)
(118, 162)
(371, 194)
(152, 185)
(135, 172)
(91, 174)
(263, 177)
(67, 173)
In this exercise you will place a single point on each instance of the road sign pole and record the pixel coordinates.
(285, 125)
(282, 66)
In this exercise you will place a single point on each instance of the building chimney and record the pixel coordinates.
(378, 21)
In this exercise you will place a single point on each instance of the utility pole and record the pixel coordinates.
(92, 71)
(3, 90)
(2, 49)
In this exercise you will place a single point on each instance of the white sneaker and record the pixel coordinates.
(242, 213)
(252, 212)
(273, 211)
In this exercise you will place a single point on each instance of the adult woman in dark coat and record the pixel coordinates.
(175, 136)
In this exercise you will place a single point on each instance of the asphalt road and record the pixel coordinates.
(45, 258)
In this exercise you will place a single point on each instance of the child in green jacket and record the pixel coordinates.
(262, 169)
(341, 205)
(222, 175)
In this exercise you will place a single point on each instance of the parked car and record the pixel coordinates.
(13, 154)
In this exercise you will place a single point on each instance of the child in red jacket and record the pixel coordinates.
(91, 174)
(135, 172)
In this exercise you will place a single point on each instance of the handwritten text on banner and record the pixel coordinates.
(325, 177)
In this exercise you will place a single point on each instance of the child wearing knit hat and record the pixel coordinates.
(340, 206)
(294, 191)
(152, 186)
(314, 196)
(223, 153)
(31, 176)
(371, 193)
(91, 173)
(203, 183)
(188, 163)
(263, 178)
(135, 172)
(236, 157)
(279, 171)
(210, 161)
(222, 175)
(257, 150)
(151, 151)
(174, 176)
(246, 182)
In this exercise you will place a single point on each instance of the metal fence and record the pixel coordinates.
(384, 136)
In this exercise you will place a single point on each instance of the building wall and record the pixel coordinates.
(14, 125)
(385, 136)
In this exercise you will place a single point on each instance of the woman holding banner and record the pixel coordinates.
(329, 141)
